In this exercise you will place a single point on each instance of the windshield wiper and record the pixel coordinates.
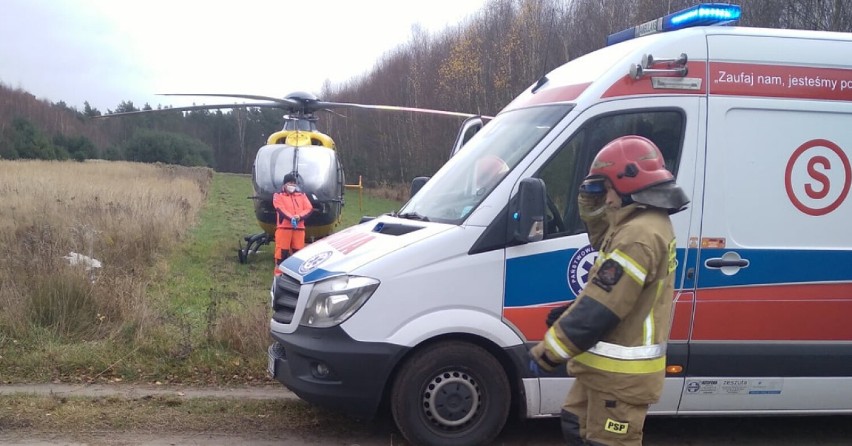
(412, 216)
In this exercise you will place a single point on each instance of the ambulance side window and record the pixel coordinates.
(564, 172)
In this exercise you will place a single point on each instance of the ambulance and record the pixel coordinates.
(429, 312)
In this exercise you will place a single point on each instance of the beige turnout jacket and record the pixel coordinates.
(615, 333)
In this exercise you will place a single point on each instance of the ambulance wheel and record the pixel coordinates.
(452, 393)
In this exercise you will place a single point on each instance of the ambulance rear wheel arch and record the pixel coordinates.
(453, 391)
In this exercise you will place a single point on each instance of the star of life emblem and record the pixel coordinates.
(578, 268)
(313, 262)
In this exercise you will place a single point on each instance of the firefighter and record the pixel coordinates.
(291, 208)
(613, 337)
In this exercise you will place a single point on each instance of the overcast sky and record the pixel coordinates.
(108, 51)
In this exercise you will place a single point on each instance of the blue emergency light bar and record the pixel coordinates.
(698, 15)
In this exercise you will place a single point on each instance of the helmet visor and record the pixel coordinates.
(594, 185)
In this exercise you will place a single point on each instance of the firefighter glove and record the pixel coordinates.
(545, 360)
(591, 206)
(534, 368)
(554, 314)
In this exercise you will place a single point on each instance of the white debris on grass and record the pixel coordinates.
(83, 260)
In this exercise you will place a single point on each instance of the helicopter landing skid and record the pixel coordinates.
(254, 242)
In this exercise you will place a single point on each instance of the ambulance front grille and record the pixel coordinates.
(284, 299)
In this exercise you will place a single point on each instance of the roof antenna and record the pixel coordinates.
(543, 79)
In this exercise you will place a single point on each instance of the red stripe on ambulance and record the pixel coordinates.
(746, 79)
(682, 309)
(783, 81)
(530, 320)
(627, 86)
(815, 312)
(548, 96)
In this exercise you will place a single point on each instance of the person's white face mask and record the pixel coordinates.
(290, 188)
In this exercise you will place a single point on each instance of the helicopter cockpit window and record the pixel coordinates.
(564, 172)
(302, 125)
(469, 176)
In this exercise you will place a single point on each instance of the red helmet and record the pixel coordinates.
(488, 170)
(632, 164)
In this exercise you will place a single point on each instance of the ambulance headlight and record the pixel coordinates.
(332, 301)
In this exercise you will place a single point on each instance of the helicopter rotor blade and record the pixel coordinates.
(397, 108)
(301, 103)
(334, 112)
(282, 101)
(191, 108)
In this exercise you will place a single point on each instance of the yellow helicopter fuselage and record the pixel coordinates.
(312, 156)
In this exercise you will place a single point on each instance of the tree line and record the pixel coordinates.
(477, 66)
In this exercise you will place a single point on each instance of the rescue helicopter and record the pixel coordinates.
(301, 149)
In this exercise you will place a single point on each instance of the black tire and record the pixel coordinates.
(453, 393)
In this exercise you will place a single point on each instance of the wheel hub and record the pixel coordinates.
(451, 399)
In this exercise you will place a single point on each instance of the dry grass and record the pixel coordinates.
(238, 330)
(126, 215)
(171, 303)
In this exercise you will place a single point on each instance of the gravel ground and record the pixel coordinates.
(660, 431)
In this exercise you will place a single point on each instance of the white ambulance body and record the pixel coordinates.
(432, 310)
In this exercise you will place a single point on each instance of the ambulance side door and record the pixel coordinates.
(771, 330)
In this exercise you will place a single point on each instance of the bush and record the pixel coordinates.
(78, 148)
(23, 140)
(152, 146)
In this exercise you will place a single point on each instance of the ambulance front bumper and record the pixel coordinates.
(326, 367)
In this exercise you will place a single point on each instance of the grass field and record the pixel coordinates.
(171, 303)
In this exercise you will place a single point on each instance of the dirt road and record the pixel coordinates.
(275, 391)
(744, 431)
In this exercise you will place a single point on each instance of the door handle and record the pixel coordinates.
(729, 264)
(720, 263)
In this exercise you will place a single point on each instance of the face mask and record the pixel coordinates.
(290, 188)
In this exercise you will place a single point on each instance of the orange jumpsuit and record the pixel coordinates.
(288, 238)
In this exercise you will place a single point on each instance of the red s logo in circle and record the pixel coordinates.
(820, 186)
(819, 176)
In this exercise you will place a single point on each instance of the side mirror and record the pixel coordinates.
(528, 215)
(417, 184)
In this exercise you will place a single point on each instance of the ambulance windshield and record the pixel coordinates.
(469, 176)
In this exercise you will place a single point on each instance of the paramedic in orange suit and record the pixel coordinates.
(613, 337)
(291, 208)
